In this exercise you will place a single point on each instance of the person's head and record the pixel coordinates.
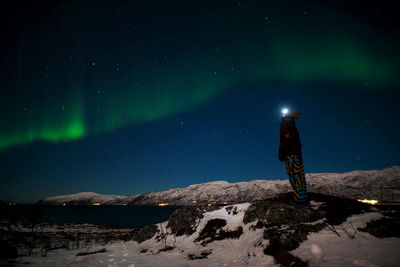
(286, 113)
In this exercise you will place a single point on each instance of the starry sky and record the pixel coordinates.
(128, 97)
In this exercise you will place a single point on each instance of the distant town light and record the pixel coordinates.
(368, 201)
(164, 204)
(96, 204)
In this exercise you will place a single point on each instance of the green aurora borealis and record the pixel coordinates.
(127, 97)
(84, 73)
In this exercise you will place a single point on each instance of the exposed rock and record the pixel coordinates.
(203, 255)
(282, 255)
(91, 252)
(337, 209)
(166, 248)
(184, 221)
(231, 210)
(7, 250)
(288, 223)
(212, 231)
(385, 227)
(290, 238)
(280, 211)
(142, 234)
(228, 209)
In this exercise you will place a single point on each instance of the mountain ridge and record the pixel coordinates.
(383, 185)
(82, 198)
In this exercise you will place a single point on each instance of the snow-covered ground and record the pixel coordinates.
(350, 247)
(346, 247)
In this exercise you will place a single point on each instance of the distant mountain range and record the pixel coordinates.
(84, 198)
(382, 185)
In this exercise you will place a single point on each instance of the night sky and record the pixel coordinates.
(128, 97)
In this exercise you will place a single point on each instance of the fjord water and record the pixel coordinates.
(115, 216)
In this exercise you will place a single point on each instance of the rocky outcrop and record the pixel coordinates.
(287, 224)
(278, 212)
(142, 234)
(213, 231)
(184, 221)
(385, 227)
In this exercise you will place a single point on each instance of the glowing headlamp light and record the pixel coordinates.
(285, 111)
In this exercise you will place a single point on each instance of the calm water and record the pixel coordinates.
(117, 216)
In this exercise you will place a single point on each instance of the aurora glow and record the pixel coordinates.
(127, 78)
(291, 48)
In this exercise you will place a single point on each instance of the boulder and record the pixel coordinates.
(183, 221)
(142, 234)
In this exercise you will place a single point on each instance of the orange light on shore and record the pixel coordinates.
(164, 204)
(96, 204)
(368, 201)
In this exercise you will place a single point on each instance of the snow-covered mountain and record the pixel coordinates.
(383, 185)
(217, 192)
(84, 198)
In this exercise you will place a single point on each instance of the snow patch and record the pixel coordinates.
(327, 248)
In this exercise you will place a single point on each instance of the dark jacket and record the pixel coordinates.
(290, 139)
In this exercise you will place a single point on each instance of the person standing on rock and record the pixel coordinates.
(290, 152)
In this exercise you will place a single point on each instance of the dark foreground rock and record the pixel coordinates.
(7, 250)
(388, 226)
(287, 224)
(385, 227)
(213, 231)
(280, 211)
(184, 221)
(142, 234)
(282, 255)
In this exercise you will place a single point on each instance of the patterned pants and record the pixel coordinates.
(295, 170)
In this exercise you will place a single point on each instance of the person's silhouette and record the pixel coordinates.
(290, 152)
